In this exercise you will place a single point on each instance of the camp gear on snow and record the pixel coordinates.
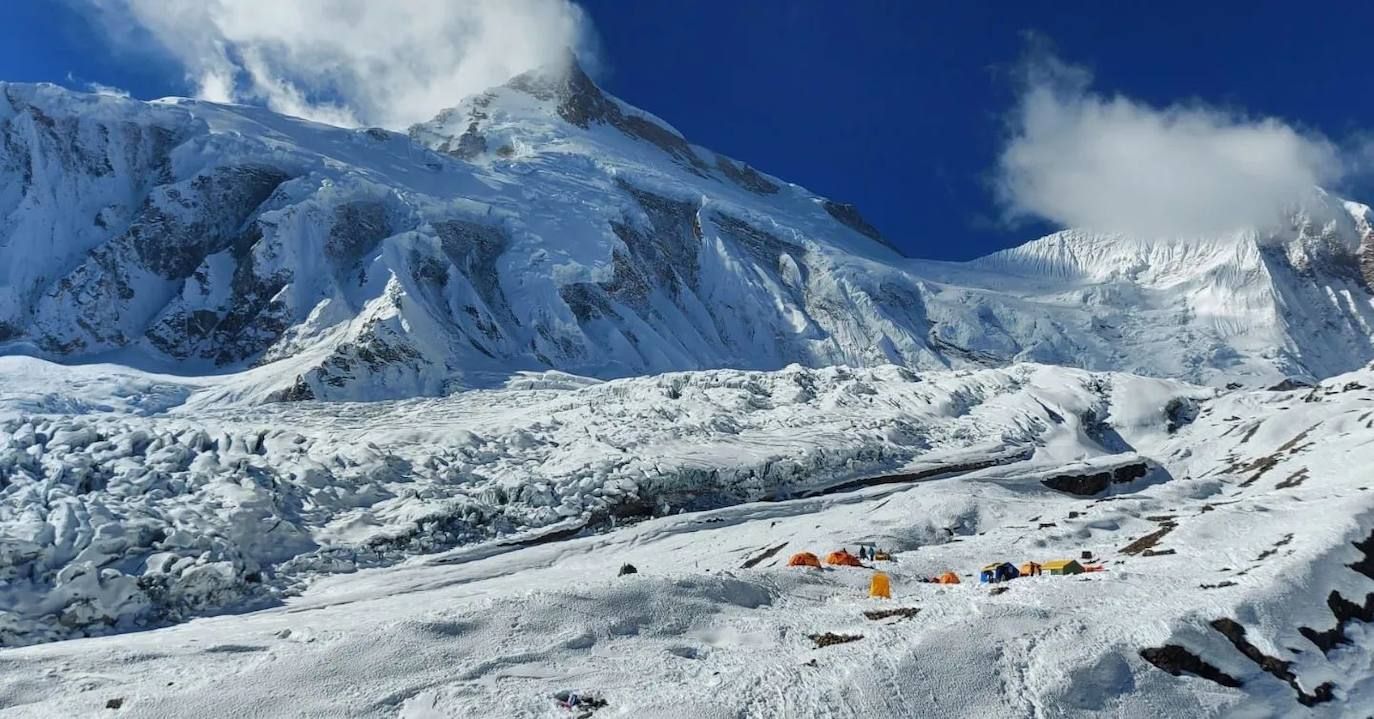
(1031, 569)
(998, 572)
(804, 559)
(1063, 566)
(882, 556)
(1087, 554)
(627, 569)
(879, 586)
(949, 578)
(572, 700)
(843, 558)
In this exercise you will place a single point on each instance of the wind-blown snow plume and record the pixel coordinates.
(352, 62)
(1083, 159)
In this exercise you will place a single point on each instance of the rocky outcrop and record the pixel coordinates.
(1178, 661)
(1092, 484)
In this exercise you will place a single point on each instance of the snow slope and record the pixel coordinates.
(547, 225)
(501, 627)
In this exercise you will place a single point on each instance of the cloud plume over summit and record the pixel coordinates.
(351, 62)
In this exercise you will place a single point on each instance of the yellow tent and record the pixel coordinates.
(1063, 566)
(1030, 569)
(949, 578)
(879, 586)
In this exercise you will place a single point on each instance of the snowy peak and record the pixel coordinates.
(518, 117)
(358, 264)
(545, 224)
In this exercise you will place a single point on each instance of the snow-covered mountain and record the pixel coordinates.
(547, 225)
(668, 358)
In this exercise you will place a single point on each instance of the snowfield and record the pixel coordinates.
(421, 558)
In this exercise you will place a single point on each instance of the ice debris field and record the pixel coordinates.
(462, 556)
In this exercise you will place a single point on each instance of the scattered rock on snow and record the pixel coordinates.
(831, 638)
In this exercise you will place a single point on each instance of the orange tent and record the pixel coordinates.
(804, 559)
(949, 578)
(879, 587)
(843, 558)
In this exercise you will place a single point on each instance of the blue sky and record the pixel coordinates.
(900, 107)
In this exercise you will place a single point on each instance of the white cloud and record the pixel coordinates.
(1080, 159)
(97, 88)
(352, 62)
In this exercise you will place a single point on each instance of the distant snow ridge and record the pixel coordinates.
(115, 521)
(547, 225)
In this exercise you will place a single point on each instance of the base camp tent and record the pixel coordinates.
(880, 587)
(998, 572)
(1063, 566)
(804, 559)
(949, 578)
(1031, 569)
(843, 558)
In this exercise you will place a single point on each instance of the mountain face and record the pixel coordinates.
(547, 225)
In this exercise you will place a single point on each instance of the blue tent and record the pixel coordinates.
(998, 572)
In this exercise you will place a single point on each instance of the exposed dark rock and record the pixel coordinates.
(470, 144)
(627, 569)
(1148, 540)
(359, 227)
(766, 249)
(765, 554)
(376, 349)
(1178, 661)
(831, 638)
(849, 216)
(1293, 479)
(298, 392)
(582, 103)
(1280, 669)
(746, 176)
(671, 246)
(1088, 485)
(1366, 260)
(586, 301)
(1343, 609)
(217, 204)
(1181, 412)
(474, 249)
(1289, 384)
(901, 612)
(1365, 565)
